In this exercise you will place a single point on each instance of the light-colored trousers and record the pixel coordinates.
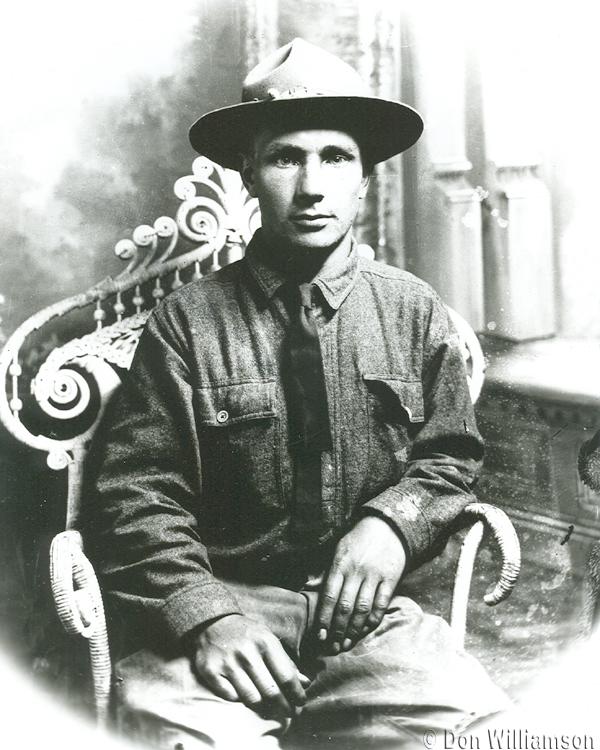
(402, 680)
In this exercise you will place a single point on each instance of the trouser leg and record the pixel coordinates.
(161, 704)
(400, 681)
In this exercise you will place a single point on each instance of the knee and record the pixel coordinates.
(161, 703)
(145, 680)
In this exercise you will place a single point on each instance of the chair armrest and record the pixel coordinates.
(495, 521)
(79, 606)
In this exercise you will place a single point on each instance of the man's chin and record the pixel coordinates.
(313, 242)
(313, 248)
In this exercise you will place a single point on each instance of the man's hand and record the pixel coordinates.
(367, 566)
(283, 612)
(240, 659)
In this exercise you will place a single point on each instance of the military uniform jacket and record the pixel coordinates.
(192, 476)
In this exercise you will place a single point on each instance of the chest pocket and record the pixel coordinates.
(395, 413)
(239, 435)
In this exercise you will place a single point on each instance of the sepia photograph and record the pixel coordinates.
(300, 356)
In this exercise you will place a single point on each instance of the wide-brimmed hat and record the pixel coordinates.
(302, 85)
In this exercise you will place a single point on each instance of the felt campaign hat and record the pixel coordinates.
(303, 86)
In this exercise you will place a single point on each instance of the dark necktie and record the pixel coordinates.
(308, 415)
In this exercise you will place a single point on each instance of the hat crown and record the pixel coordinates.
(301, 85)
(301, 69)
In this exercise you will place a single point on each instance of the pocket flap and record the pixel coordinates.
(225, 405)
(408, 392)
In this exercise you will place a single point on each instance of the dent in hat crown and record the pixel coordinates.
(301, 69)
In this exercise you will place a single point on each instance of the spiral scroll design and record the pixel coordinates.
(216, 207)
(215, 212)
(149, 245)
(72, 383)
(64, 396)
(203, 220)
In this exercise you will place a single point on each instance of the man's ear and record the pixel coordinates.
(364, 185)
(247, 174)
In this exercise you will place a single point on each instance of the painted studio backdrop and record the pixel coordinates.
(496, 207)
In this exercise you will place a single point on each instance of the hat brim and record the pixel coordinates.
(382, 128)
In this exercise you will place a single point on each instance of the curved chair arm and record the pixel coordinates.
(472, 353)
(486, 517)
(79, 606)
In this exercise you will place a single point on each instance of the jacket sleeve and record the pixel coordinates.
(446, 453)
(142, 488)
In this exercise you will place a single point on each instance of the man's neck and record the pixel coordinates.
(302, 264)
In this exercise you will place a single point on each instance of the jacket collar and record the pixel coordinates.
(335, 281)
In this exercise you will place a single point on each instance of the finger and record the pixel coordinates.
(362, 609)
(381, 603)
(219, 685)
(268, 687)
(246, 689)
(286, 674)
(327, 603)
(344, 610)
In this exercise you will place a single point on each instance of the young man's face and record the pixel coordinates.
(308, 184)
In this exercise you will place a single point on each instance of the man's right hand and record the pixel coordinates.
(240, 659)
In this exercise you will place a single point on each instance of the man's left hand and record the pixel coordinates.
(367, 566)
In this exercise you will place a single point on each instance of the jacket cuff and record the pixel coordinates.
(197, 604)
(400, 507)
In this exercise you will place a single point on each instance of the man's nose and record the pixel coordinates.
(310, 182)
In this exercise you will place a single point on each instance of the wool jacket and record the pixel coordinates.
(192, 479)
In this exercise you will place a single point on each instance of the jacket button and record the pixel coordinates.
(222, 416)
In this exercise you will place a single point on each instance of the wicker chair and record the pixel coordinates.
(213, 223)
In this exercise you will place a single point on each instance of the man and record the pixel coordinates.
(295, 434)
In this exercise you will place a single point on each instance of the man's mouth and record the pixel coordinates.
(311, 221)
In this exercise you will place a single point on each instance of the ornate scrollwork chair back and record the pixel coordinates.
(213, 224)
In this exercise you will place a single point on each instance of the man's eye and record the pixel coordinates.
(338, 159)
(284, 160)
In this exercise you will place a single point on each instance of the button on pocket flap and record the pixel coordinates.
(224, 405)
(394, 392)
